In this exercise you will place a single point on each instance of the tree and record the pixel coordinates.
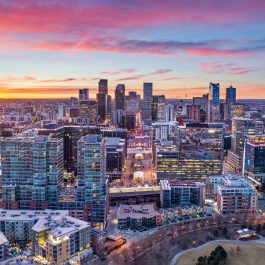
(215, 233)
(224, 231)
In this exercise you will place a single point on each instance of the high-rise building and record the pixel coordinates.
(115, 157)
(213, 111)
(32, 171)
(92, 180)
(197, 155)
(148, 91)
(120, 97)
(133, 96)
(158, 108)
(102, 98)
(214, 92)
(230, 100)
(128, 121)
(194, 113)
(202, 102)
(72, 135)
(254, 165)
(230, 96)
(241, 128)
(169, 108)
(83, 94)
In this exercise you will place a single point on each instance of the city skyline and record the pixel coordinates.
(51, 49)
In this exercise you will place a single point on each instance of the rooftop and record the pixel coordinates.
(137, 211)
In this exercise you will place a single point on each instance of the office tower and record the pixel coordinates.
(61, 111)
(128, 121)
(83, 94)
(163, 130)
(148, 91)
(133, 95)
(241, 128)
(230, 100)
(84, 109)
(223, 110)
(230, 96)
(169, 108)
(145, 109)
(181, 193)
(236, 197)
(132, 106)
(115, 157)
(214, 92)
(158, 108)
(117, 117)
(120, 97)
(194, 113)
(72, 135)
(92, 180)
(32, 171)
(202, 102)
(109, 105)
(254, 165)
(93, 110)
(197, 155)
(88, 112)
(102, 98)
(213, 114)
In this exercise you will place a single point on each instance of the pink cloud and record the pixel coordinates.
(123, 71)
(224, 68)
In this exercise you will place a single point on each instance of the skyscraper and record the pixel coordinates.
(120, 97)
(230, 95)
(102, 98)
(158, 108)
(83, 94)
(214, 92)
(230, 100)
(169, 112)
(148, 91)
(92, 181)
(255, 157)
(213, 114)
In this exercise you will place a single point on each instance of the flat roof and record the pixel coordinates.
(137, 211)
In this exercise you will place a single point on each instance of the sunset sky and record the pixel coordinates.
(49, 49)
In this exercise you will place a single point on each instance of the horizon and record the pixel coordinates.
(51, 49)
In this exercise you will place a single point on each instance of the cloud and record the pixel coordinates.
(171, 78)
(139, 77)
(78, 17)
(123, 71)
(73, 25)
(225, 68)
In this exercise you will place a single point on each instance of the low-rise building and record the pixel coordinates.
(235, 196)
(138, 217)
(180, 214)
(55, 236)
(4, 246)
(181, 193)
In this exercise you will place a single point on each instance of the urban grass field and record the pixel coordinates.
(250, 253)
